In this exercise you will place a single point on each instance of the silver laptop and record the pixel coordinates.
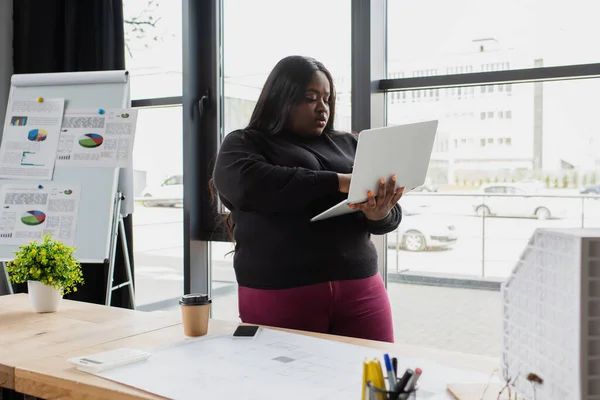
(404, 150)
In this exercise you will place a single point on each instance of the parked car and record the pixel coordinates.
(517, 201)
(591, 190)
(422, 232)
(428, 186)
(169, 193)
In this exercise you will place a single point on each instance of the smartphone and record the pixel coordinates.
(246, 331)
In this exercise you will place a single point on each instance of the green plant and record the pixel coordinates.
(565, 181)
(575, 179)
(50, 262)
(547, 181)
(555, 182)
(593, 179)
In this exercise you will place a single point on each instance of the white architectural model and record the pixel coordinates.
(552, 317)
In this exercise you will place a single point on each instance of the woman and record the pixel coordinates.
(287, 166)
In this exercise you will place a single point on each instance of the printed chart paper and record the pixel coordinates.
(91, 139)
(272, 365)
(30, 210)
(30, 139)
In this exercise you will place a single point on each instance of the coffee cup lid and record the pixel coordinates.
(195, 299)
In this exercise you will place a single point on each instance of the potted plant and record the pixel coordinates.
(50, 270)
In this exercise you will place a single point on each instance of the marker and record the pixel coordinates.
(390, 371)
(40, 99)
(401, 384)
(395, 365)
(100, 111)
(412, 383)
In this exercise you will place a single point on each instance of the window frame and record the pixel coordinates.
(202, 52)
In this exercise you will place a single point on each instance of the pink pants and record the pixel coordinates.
(357, 308)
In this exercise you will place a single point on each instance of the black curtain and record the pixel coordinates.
(70, 36)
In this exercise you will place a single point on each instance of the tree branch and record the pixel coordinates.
(133, 22)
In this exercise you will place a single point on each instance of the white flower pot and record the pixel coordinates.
(44, 299)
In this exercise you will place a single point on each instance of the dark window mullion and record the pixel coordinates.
(568, 72)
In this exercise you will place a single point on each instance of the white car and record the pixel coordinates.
(516, 200)
(169, 193)
(421, 232)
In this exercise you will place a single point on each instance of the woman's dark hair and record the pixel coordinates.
(285, 87)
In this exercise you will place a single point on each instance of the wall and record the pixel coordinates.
(5, 74)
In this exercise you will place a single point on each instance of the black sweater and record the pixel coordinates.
(273, 186)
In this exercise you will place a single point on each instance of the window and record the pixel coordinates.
(175, 180)
(244, 74)
(153, 48)
(153, 57)
(496, 178)
(495, 190)
(558, 35)
(158, 213)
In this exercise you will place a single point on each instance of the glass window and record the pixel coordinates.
(153, 47)
(542, 32)
(444, 233)
(245, 72)
(251, 48)
(158, 213)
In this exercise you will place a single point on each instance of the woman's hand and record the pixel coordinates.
(378, 207)
(344, 182)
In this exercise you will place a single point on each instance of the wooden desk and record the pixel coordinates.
(27, 336)
(54, 378)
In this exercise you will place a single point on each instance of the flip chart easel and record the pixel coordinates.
(106, 193)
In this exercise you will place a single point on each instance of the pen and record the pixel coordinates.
(395, 365)
(379, 381)
(412, 383)
(401, 384)
(390, 371)
(365, 379)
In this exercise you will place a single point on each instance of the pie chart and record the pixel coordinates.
(33, 218)
(90, 140)
(37, 135)
(68, 192)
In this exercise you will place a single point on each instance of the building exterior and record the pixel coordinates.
(484, 131)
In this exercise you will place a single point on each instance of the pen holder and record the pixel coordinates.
(375, 393)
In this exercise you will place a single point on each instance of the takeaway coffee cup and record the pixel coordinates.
(195, 311)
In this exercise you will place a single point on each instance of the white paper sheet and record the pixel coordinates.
(30, 139)
(90, 139)
(30, 210)
(273, 365)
